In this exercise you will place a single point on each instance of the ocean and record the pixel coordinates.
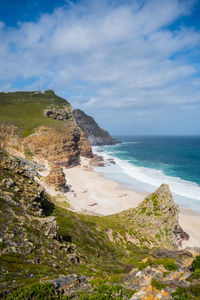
(144, 163)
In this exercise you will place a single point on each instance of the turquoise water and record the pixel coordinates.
(146, 162)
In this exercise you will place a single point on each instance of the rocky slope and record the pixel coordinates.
(41, 124)
(94, 134)
(115, 257)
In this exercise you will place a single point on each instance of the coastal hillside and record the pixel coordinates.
(41, 124)
(49, 249)
(95, 134)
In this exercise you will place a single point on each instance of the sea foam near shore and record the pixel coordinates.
(186, 193)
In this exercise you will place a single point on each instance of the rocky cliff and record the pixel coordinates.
(94, 134)
(41, 124)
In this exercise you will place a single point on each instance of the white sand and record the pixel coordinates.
(190, 222)
(90, 192)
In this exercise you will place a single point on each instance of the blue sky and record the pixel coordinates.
(133, 65)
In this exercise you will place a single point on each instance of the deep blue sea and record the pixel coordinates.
(144, 163)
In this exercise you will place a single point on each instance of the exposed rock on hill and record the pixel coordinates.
(58, 114)
(94, 134)
(41, 124)
(58, 148)
(160, 215)
(57, 179)
(154, 223)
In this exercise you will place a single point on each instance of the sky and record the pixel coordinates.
(134, 65)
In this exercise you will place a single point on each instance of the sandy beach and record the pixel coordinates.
(92, 193)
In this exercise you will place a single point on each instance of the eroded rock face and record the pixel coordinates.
(57, 179)
(92, 131)
(57, 148)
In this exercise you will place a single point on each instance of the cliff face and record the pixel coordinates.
(94, 134)
(41, 124)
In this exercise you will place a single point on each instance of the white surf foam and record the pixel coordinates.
(127, 143)
(155, 177)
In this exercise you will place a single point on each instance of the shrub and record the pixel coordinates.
(167, 262)
(196, 263)
(196, 274)
(107, 292)
(157, 284)
(187, 293)
(36, 291)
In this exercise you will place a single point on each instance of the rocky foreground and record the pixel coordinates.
(133, 254)
(48, 251)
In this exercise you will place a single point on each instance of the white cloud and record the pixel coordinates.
(103, 54)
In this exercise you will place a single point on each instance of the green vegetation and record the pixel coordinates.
(157, 284)
(28, 154)
(25, 110)
(93, 244)
(167, 262)
(155, 202)
(196, 274)
(187, 293)
(107, 292)
(36, 291)
(196, 263)
(39, 291)
(196, 267)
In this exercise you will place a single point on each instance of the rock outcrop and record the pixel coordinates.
(154, 223)
(56, 178)
(92, 131)
(160, 213)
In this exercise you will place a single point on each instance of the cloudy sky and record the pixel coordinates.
(133, 65)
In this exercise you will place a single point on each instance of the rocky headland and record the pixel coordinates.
(96, 136)
(68, 233)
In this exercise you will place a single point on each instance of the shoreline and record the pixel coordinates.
(93, 193)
